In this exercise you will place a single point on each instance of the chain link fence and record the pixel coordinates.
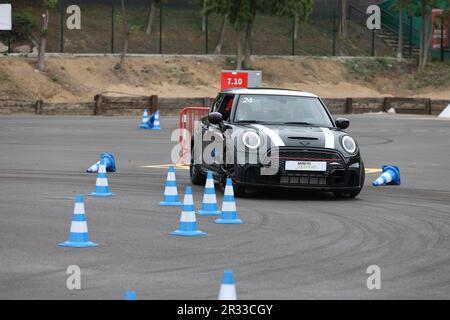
(178, 27)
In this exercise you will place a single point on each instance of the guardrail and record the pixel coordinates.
(336, 106)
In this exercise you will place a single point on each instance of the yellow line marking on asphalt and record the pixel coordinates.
(166, 166)
(186, 167)
(373, 170)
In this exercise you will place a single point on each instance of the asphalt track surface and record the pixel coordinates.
(292, 246)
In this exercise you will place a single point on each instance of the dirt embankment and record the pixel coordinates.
(75, 79)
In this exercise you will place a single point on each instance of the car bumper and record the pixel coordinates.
(335, 180)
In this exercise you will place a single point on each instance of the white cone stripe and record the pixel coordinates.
(170, 191)
(94, 167)
(78, 227)
(209, 198)
(188, 216)
(209, 184)
(229, 191)
(188, 199)
(329, 138)
(102, 182)
(171, 176)
(156, 122)
(228, 206)
(227, 292)
(79, 208)
(102, 169)
(387, 176)
(379, 181)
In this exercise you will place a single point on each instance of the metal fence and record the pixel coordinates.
(179, 28)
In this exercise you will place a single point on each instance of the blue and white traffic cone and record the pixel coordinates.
(130, 295)
(229, 213)
(101, 184)
(110, 163)
(188, 222)
(156, 123)
(228, 287)
(78, 235)
(153, 123)
(390, 176)
(170, 191)
(209, 203)
(145, 118)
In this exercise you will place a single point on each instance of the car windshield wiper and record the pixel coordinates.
(250, 121)
(300, 123)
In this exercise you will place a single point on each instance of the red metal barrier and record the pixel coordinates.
(188, 117)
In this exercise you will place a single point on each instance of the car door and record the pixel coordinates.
(225, 107)
(205, 127)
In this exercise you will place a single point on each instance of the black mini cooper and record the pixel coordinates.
(277, 139)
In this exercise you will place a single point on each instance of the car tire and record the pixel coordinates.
(355, 193)
(195, 171)
(238, 190)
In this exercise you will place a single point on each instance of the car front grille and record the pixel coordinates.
(334, 173)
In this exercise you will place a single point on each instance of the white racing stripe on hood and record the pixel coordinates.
(329, 138)
(273, 135)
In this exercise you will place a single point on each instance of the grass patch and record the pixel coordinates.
(436, 74)
(368, 69)
(55, 78)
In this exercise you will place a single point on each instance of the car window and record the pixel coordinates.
(226, 106)
(217, 103)
(281, 109)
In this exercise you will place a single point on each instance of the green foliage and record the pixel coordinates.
(55, 78)
(367, 69)
(52, 3)
(239, 12)
(437, 74)
(292, 8)
(414, 7)
(23, 23)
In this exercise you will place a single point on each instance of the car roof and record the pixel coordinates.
(270, 91)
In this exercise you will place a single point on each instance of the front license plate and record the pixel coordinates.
(306, 166)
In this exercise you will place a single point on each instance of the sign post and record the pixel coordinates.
(240, 79)
(5, 21)
(439, 33)
(5, 17)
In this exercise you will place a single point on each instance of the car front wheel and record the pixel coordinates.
(355, 193)
(195, 171)
(238, 190)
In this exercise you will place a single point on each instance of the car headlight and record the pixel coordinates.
(251, 140)
(348, 144)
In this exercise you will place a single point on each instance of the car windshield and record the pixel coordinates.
(281, 110)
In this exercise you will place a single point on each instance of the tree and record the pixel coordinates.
(221, 37)
(299, 10)
(343, 30)
(151, 15)
(399, 6)
(203, 16)
(42, 41)
(422, 8)
(236, 12)
(126, 31)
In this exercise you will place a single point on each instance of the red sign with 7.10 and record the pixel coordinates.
(234, 80)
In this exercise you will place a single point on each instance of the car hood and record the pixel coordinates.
(296, 135)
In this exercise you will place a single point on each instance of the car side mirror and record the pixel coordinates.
(215, 118)
(342, 123)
